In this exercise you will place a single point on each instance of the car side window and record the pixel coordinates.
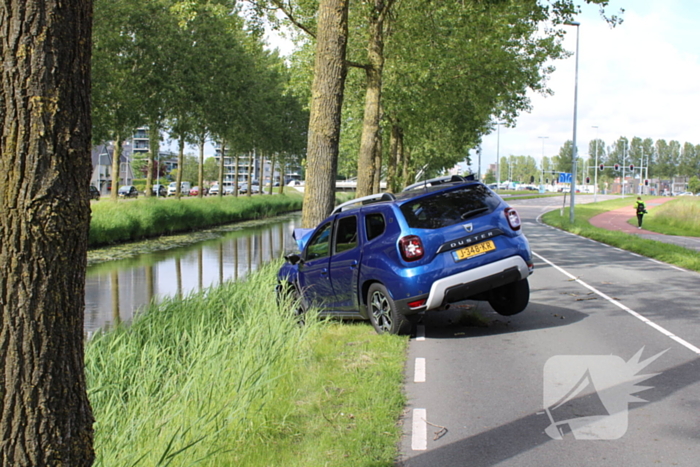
(319, 245)
(374, 225)
(346, 234)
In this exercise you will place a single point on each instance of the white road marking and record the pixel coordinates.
(419, 437)
(662, 330)
(419, 371)
(420, 332)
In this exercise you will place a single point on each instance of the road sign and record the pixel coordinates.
(564, 177)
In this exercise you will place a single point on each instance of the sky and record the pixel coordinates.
(641, 78)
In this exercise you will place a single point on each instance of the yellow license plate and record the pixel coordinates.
(474, 250)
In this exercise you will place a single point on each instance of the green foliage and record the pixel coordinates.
(694, 185)
(680, 216)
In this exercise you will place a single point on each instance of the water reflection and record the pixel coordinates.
(115, 291)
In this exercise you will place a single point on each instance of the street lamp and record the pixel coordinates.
(498, 154)
(574, 151)
(595, 169)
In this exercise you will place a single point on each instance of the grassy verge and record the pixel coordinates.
(671, 254)
(680, 216)
(131, 220)
(228, 378)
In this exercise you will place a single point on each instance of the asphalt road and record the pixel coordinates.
(477, 394)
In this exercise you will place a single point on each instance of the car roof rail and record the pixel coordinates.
(375, 198)
(440, 181)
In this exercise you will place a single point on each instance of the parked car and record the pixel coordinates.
(228, 190)
(94, 192)
(685, 193)
(255, 188)
(194, 191)
(214, 190)
(159, 190)
(185, 188)
(128, 191)
(388, 257)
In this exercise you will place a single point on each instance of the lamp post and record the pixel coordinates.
(573, 149)
(498, 155)
(595, 169)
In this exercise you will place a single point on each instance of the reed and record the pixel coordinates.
(228, 377)
(680, 216)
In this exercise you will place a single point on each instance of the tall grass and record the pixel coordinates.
(131, 220)
(196, 379)
(680, 216)
(229, 378)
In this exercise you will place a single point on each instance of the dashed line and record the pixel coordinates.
(419, 435)
(419, 371)
(643, 319)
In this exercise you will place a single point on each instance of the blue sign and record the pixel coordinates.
(564, 177)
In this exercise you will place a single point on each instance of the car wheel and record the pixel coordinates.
(287, 291)
(510, 299)
(383, 314)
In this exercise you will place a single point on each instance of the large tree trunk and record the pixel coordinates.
(180, 165)
(366, 160)
(377, 179)
(45, 169)
(200, 174)
(221, 167)
(326, 104)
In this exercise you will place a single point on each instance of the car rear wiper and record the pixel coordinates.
(474, 212)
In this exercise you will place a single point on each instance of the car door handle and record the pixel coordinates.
(324, 271)
(353, 265)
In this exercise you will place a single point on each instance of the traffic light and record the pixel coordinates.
(617, 166)
(631, 166)
(601, 167)
(532, 179)
(546, 180)
(588, 180)
(646, 182)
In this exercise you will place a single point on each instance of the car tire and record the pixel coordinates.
(290, 292)
(383, 313)
(510, 299)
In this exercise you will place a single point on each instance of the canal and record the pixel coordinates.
(115, 291)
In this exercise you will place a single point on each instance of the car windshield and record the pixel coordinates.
(449, 207)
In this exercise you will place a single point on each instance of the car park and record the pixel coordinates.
(94, 192)
(387, 258)
(128, 191)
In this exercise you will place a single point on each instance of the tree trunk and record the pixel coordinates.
(366, 168)
(45, 170)
(377, 179)
(153, 150)
(221, 168)
(202, 141)
(236, 160)
(251, 171)
(392, 163)
(180, 166)
(116, 166)
(326, 103)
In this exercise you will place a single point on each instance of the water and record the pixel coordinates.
(115, 291)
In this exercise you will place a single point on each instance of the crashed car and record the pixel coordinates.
(389, 257)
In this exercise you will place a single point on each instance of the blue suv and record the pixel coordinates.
(389, 257)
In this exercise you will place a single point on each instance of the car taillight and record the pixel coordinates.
(411, 248)
(513, 218)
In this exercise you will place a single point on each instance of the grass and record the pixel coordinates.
(227, 378)
(672, 254)
(680, 216)
(130, 220)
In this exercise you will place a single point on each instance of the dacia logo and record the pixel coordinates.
(468, 228)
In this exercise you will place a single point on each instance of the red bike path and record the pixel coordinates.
(618, 220)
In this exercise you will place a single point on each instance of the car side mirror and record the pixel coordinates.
(293, 258)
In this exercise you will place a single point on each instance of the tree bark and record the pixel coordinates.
(180, 165)
(200, 174)
(366, 160)
(153, 150)
(45, 170)
(326, 103)
(116, 167)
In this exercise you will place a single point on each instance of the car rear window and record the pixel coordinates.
(449, 207)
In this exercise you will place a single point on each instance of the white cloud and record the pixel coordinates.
(638, 79)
